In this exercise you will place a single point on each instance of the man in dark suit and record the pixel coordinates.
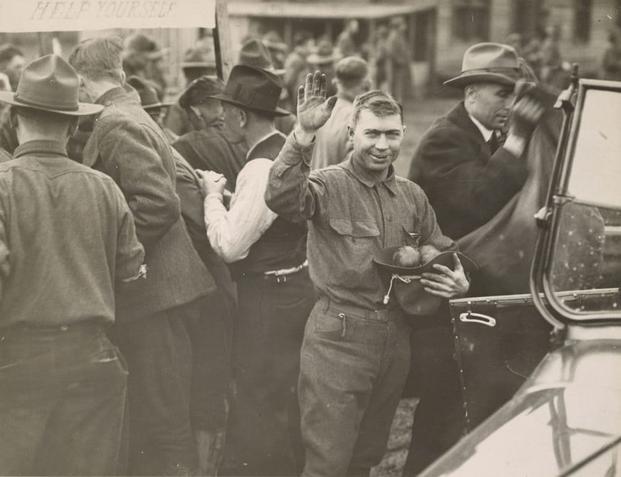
(128, 145)
(469, 173)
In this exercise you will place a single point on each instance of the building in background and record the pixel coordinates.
(441, 30)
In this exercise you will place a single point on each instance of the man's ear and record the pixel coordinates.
(123, 77)
(243, 117)
(73, 126)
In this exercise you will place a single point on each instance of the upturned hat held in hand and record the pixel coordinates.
(488, 62)
(50, 84)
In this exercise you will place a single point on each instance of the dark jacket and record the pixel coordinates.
(128, 146)
(214, 149)
(465, 184)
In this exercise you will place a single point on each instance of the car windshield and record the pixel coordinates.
(585, 269)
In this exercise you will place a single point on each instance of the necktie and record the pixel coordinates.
(493, 143)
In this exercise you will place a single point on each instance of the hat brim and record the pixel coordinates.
(197, 64)
(315, 59)
(156, 55)
(275, 112)
(84, 109)
(158, 105)
(275, 46)
(384, 259)
(465, 78)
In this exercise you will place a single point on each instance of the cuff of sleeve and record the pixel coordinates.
(214, 195)
(515, 145)
(304, 152)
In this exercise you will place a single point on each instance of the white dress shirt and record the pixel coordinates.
(232, 232)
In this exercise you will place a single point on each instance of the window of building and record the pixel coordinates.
(582, 20)
(471, 19)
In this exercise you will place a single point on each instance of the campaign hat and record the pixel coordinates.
(253, 88)
(254, 53)
(50, 84)
(488, 62)
(405, 281)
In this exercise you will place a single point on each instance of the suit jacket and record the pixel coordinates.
(127, 145)
(466, 185)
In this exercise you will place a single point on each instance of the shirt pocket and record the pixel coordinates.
(357, 239)
(356, 229)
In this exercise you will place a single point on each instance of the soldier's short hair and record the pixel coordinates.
(378, 102)
(98, 58)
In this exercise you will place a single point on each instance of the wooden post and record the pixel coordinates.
(222, 40)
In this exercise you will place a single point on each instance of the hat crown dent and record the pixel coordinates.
(254, 88)
(49, 81)
(489, 56)
(254, 53)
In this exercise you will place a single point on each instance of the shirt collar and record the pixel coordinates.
(389, 182)
(264, 138)
(485, 132)
(41, 146)
(113, 95)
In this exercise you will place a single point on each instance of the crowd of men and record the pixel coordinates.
(195, 288)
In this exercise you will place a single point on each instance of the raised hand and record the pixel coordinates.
(313, 108)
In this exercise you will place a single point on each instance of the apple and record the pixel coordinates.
(407, 256)
(428, 253)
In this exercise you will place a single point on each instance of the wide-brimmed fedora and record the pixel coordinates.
(324, 54)
(488, 62)
(147, 92)
(50, 84)
(253, 88)
(254, 53)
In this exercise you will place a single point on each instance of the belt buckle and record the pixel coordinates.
(281, 279)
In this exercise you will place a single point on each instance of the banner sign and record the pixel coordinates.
(78, 15)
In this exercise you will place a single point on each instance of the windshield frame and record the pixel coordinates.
(557, 197)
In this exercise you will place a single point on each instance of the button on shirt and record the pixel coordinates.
(350, 220)
(66, 238)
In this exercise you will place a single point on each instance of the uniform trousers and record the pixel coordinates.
(263, 435)
(62, 401)
(354, 364)
(158, 351)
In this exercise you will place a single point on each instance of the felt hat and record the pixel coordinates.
(147, 92)
(405, 281)
(488, 62)
(324, 54)
(273, 41)
(50, 84)
(254, 53)
(200, 89)
(253, 88)
(199, 56)
(145, 45)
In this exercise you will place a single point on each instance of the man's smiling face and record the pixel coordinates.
(376, 140)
